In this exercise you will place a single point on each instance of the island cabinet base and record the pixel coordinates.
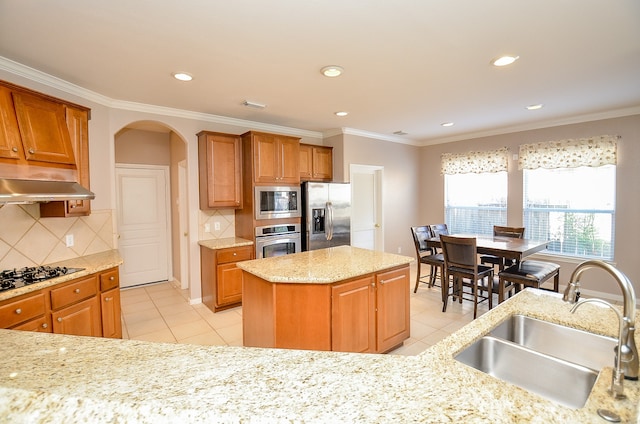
(369, 313)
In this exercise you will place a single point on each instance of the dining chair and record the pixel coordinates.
(462, 269)
(501, 231)
(426, 256)
(439, 229)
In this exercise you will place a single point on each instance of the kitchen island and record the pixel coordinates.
(341, 298)
(70, 379)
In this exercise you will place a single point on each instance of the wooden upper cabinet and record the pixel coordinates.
(77, 120)
(316, 163)
(43, 129)
(10, 142)
(276, 158)
(220, 170)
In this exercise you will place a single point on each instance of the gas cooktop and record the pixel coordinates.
(15, 278)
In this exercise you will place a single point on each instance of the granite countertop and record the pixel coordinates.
(323, 266)
(223, 243)
(91, 264)
(56, 378)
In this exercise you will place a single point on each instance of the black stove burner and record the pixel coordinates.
(14, 278)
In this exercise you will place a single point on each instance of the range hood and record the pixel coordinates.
(32, 191)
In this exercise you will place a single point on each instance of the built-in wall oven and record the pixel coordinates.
(271, 202)
(278, 240)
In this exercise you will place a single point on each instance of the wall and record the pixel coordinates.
(627, 231)
(401, 167)
(143, 147)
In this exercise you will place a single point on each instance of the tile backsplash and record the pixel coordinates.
(28, 240)
(207, 219)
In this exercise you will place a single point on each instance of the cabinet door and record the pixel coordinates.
(306, 162)
(220, 168)
(353, 316)
(78, 125)
(10, 143)
(266, 168)
(43, 129)
(289, 160)
(229, 284)
(81, 319)
(392, 304)
(322, 163)
(110, 309)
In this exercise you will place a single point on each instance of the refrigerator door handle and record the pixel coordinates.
(329, 220)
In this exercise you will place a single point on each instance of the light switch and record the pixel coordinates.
(69, 240)
(216, 226)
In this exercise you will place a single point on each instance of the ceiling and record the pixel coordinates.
(409, 65)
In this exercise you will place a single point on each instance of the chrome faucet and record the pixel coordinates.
(627, 353)
(617, 378)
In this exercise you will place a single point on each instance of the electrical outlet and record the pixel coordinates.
(207, 228)
(399, 249)
(216, 226)
(69, 240)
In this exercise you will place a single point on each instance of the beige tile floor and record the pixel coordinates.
(161, 313)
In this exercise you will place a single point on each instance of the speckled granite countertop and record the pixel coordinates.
(323, 266)
(224, 243)
(91, 264)
(54, 378)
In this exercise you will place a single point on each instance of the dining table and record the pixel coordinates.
(506, 247)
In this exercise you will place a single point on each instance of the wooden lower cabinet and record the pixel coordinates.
(393, 311)
(366, 314)
(86, 306)
(110, 308)
(80, 319)
(221, 279)
(353, 316)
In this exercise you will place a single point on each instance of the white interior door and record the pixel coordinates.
(366, 207)
(143, 223)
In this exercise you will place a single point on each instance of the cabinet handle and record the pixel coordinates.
(45, 325)
(31, 151)
(14, 149)
(18, 311)
(112, 278)
(373, 284)
(59, 319)
(106, 299)
(76, 291)
(382, 281)
(71, 205)
(235, 254)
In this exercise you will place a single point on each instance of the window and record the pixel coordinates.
(569, 194)
(474, 203)
(475, 191)
(572, 207)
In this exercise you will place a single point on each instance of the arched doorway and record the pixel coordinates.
(150, 158)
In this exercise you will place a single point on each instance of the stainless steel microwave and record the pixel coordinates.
(272, 202)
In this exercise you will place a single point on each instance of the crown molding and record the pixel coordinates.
(369, 134)
(67, 87)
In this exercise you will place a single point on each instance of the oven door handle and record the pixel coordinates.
(329, 220)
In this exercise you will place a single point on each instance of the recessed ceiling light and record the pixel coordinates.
(447, 124)
(504, 60)
(332, 71)
(182, 76)
(341, 113)
(253, 104)
(535, 107)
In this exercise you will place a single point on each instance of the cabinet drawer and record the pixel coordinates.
(74, 292)
(22, 310)
(109, 279)
(40, 325)
(234, 254)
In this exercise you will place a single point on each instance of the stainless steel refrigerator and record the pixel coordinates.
(326, 215)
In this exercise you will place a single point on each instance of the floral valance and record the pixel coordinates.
(571, 153)
(475, 162)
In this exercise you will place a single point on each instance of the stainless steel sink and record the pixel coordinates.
(576, 346)
(555, 379)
